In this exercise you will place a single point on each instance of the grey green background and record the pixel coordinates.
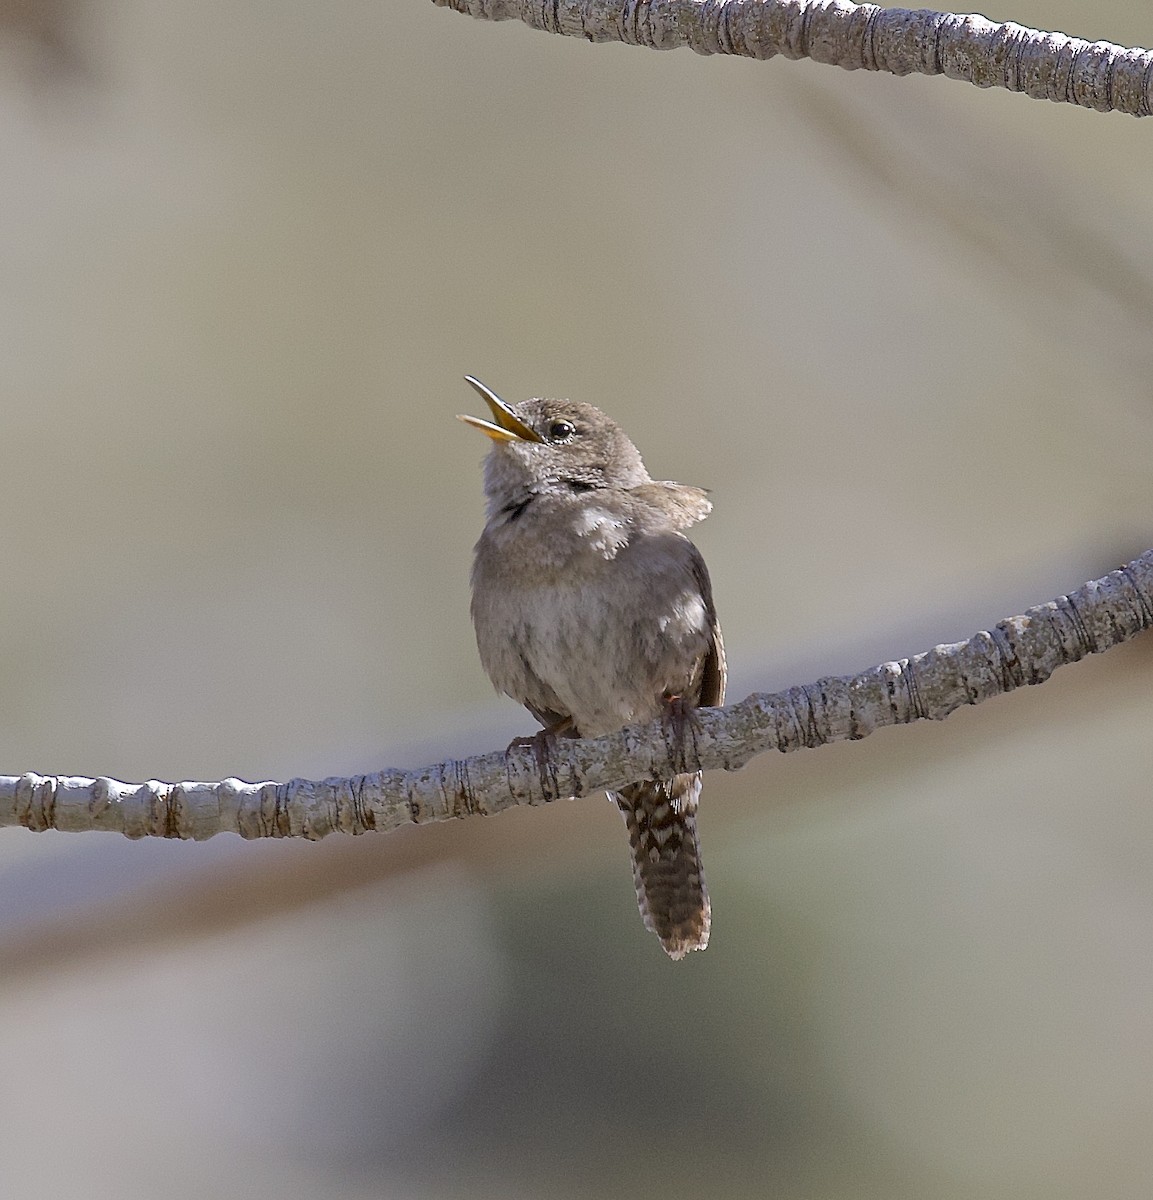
(900, 327)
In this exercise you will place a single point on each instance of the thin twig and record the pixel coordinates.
(901, 41)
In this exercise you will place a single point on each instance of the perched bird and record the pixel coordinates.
(593, 609)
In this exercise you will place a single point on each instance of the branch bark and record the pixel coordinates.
(1017, 651)
(1045, 66)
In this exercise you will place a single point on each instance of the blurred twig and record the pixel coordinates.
(47, 30)
(1045, 66)
(1018, 651)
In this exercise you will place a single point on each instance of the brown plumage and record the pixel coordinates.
(594, 610)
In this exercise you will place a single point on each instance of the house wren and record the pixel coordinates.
(594, 611)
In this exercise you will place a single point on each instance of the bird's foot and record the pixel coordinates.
(678, 716)
(542, 744)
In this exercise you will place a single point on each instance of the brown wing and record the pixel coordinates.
(714, 670)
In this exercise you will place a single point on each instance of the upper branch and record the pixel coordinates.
(1020, 650)
(1046, 66)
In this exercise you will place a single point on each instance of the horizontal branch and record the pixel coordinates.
(1045, 66)
(1018, 651)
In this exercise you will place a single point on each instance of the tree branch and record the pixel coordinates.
(1045, 66)
(1018, 651)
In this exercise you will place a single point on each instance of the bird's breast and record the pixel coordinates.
(597, 636)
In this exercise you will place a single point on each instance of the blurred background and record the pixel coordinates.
(900, 327)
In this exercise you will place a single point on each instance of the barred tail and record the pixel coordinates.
(671, 893)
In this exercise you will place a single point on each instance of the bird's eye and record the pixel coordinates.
(561, 431)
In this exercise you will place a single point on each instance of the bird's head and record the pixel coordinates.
(559, 447)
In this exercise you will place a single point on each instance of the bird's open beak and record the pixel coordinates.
(508, 427)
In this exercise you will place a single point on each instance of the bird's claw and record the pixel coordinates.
(678, 717)
(543, 744)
